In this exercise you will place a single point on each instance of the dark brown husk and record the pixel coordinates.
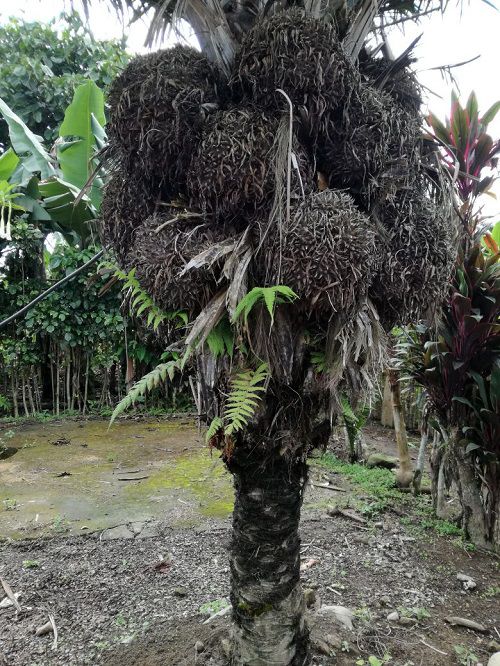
(300, 55)
(126, 204)
(417, 241)
(373, 149)
(160, 256)
(232, 173)
(401, 85)
(158, 106)
(326, 254)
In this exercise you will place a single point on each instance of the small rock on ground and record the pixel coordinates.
(118, 532)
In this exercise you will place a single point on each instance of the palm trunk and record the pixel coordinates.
(268, 605)
(475, 519)
(404, 474)
(419, 471)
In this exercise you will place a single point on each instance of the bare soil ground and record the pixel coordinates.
(113, 606)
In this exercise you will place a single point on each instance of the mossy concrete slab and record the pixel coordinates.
(94, 478)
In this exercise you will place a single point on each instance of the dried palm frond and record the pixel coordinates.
(326, 254)
(401, 83)
(356, 349)
(163, 246)
(126, 204)
(417, 241)
(158, 106)
(231, 174)
(299, 54)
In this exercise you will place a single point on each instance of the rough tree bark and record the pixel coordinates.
(479, 496)
(404, 473)
(266, 594)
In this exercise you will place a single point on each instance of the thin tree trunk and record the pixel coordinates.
(58, 381)
(86, 389)
(23, 388)
(30, 394)
(13, 382)
(268, 604)
(404, 474)
(68, 384)
(474, 518)
(441, 488)
(419, 471)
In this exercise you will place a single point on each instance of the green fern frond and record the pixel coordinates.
(142, 303)
(271, 296)
(220, 340)
(244, 398)
(347, 411)
(318, 361)
(216, 425)
(144, 385)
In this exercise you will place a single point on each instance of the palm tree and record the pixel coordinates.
(276, 189)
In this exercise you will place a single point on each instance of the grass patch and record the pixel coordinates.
(378, 483)
(380, 486)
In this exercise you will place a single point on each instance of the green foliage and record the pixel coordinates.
(377, 482)
(31, 564)
(353, 420)
(140, 301)
(415, 612)
(270, 296)
(467, 148)
(460, 368)
(212, 607)
(26, 144)
(375, 661)
(246, 391)
(42, 64)
(220, 340)
(146, 384)
(83, 117)
(465, 656)
(45, 190)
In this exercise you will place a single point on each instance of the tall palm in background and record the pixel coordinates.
(278, 191)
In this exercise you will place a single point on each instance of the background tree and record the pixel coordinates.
(74, 349)
(41, 65)
(458, 363)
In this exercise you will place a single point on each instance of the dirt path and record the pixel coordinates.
(114, 604)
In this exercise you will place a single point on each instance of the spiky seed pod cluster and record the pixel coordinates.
(158, 105)
(373, 149)
(417, 245)
(357, 145)
(327, 253)
(175, 131)
(126, 204)
(232, 173)
(300, 55)
(163, 246)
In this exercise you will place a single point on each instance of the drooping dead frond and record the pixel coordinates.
(356, 349)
